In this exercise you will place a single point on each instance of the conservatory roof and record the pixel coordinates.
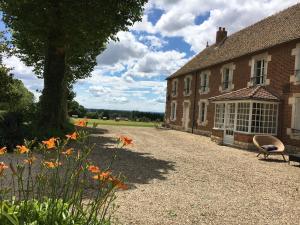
(249, 93)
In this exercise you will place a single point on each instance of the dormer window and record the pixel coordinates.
(227, 77)
(204, 82)
(187, 85)
(259, 65)
(174, 87)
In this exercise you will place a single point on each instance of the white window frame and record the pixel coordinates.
(290, 131)
(295, 77)
(174, 90)
(173, 111)
(215, 118)
(185, 93)
(200, 104)
(231, 68)
(250, 115)
(201, 78)
(267, 58)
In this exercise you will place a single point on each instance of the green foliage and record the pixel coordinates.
(14, 96)
(92, 115)
(34, 212)
(76, 109)
(82, 29)
(100, 122)
(12, 129)
(64, 188)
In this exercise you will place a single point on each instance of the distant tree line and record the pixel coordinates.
(80, 111)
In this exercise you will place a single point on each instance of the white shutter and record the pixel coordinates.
(297, 114)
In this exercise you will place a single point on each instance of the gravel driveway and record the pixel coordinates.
(181, 178)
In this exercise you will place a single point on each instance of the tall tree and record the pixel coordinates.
(61, 40)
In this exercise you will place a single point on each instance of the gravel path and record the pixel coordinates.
(181, 178)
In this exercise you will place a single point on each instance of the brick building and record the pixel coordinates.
(245, 84)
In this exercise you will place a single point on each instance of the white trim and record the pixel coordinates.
(172, 88)
(175, 113)
(250, 114)
(264, 56)
(208, 73)
(190, 86)
(183, 112)
(205, 122)
(231, 67)
(296, 52)
(292, 102)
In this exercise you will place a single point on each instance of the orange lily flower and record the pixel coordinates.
(30, 160)
(3, 166)
(3, 150)
(22, 149)
(94, 169)
(126, 140)
(51, 165)
(68, 152)
(50, 143)
(119, 184)
(102, 176)
(72, 136)
(81, 123)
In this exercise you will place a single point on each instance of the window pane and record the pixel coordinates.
(219, 115)
(243, 114)
(264, 118)
(297, 114)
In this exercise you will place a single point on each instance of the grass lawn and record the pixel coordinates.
(118, 123)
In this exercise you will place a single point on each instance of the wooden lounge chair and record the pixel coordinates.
(261, 140)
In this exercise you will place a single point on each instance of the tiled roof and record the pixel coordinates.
(277, 29)
(249, 93)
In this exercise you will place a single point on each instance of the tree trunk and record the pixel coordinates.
(54, 97)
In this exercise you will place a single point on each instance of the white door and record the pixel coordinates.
(186, 112)
(229, 123)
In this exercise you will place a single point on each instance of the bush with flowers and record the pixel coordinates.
(56, 184)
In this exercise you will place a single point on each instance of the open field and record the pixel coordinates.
(118, 123)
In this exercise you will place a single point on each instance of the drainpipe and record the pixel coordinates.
(194, 105)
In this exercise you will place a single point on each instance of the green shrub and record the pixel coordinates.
(47, 212)
(64, 187)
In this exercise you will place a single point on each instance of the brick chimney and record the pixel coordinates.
(221, 35)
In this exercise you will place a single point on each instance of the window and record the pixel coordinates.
(297, 66)
(259, 75)
(187, 85)
(243, 115)
(173, 110)
(297, 114)
(219, 115)
(174, 87)
(202, 112)
(226, 78)
(204, 83)
(264, 118)
(253, 117)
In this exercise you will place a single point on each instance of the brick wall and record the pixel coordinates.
(280, 69)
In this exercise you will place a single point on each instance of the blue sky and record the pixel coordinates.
(130, 74)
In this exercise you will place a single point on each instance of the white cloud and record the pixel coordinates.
(157, 64)
(125, 49)
(178, 17)
(153, 42)
(24, 73)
